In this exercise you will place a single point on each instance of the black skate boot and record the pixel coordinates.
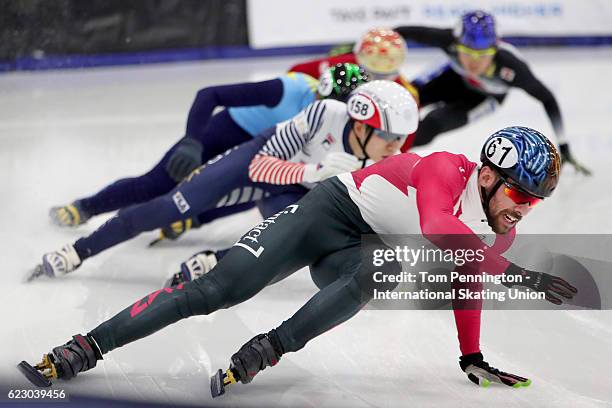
(263, 350)
(79, 354)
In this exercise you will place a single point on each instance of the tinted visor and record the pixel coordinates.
(389, 137)
(474, 53)
(519, 196)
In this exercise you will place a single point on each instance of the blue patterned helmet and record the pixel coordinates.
(525, 158)
(477, 30)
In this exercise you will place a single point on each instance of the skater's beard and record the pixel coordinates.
(499, 221)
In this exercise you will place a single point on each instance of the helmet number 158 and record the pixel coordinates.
(361, 107)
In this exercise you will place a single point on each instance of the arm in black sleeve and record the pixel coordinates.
(434, 37)
(267, 93)
(525, 80)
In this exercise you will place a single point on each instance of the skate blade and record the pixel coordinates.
(219, 381)
(155, 242)
(217, 387)
(37, 272)
(33, 375)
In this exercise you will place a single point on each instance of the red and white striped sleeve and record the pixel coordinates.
(268, 169)
(270, 164)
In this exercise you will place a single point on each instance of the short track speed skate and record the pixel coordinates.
(55, 264)
(41, 374)
(63, 362)
(263, 350)
(220, 380)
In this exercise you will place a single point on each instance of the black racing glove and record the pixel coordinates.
(481, 373)
(567, 157)
(542, 282)
(186, 157)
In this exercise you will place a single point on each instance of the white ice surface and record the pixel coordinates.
(64, 134)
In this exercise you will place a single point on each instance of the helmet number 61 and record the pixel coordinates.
(502, 152)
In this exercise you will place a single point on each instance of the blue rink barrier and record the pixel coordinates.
(152, 57)
(196, 54)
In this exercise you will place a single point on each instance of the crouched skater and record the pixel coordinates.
(442, 194)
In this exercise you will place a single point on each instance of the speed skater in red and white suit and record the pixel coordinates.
(447, 198)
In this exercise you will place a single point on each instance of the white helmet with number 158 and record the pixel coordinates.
(385, 106)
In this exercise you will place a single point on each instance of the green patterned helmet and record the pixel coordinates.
(339, 81)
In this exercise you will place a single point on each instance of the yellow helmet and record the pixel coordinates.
(381, 51)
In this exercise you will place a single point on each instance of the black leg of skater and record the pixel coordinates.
(456, 104)
(346, 283)
(249, 266)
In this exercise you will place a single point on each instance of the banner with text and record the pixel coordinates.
(278, 23)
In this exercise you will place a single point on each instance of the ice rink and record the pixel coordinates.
(65, 134)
